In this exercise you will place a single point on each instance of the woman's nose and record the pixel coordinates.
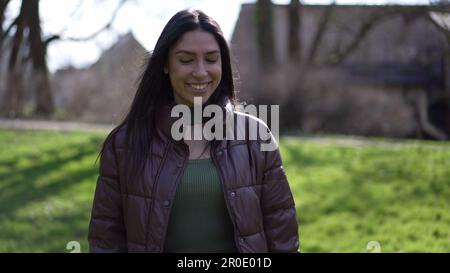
(200, 70)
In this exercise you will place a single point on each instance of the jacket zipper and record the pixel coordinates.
(152, 204)
(226, 200)
(177, 183)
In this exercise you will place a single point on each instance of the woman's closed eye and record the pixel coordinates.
(185, 61)
(212, 60)
(208, 60)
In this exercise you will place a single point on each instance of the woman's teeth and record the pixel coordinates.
(198, 86)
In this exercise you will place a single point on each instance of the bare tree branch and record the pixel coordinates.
(50, 39)
(437, 7)
(72, 14)
(445, 30)
(339, 56)
(323, 25)
(28, 40)
(108, 25)
(4, 34)
(3, 5)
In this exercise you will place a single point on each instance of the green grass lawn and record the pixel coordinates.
(346, 195)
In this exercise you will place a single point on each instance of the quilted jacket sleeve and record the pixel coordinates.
(107, 229)
(278, 207)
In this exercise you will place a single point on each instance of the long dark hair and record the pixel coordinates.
(155, 89)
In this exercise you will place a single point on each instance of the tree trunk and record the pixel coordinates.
(12, 103)
(425, 124)
(294, 34)
(264, 32)
(446, 72)
(44, 99)
(3, 4)
(12, 106)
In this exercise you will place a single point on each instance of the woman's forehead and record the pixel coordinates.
(196, 41)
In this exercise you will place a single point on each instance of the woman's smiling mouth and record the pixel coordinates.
(198, 87)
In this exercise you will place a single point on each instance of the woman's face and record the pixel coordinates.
(194, 66)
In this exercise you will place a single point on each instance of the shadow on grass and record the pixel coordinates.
(19, 185)
(48, 234)
(362, 174)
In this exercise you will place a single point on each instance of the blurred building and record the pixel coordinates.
(393, 80)
(102, 92)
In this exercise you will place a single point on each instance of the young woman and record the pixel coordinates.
(158, 194)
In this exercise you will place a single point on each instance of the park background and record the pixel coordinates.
(364, 96)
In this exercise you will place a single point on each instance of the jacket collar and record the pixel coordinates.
(164, 120)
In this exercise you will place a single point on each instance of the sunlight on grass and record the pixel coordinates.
(349, 195)
(395, 193)
(47, 189)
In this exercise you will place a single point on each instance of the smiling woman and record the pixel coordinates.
(156, 193)
(194, 67)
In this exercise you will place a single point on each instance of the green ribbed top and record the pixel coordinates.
(199, 220)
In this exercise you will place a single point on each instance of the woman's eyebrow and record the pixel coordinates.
(193, 53)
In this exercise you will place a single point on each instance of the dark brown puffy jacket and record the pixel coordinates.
(132, 216)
